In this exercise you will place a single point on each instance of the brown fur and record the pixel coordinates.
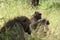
(23, 24)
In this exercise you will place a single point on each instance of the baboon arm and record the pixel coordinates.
(39, 21)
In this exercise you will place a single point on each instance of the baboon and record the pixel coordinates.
(43, 25)
(34, 2)
(35, 17)
(23, 24)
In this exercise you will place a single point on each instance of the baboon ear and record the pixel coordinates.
(47, 22)
(44, 20)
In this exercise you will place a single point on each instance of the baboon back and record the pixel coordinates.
(21, 23)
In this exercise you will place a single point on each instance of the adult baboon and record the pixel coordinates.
(22, 25)
(34, 2)
(35, 17)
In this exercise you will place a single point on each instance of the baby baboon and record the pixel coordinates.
(43, 25)
(22, 22)
(34, 2)
(35, 17)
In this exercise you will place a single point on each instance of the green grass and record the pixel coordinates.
(50, 10)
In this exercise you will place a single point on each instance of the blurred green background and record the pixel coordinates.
(49, 9)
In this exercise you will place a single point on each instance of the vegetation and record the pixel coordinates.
(50, 10)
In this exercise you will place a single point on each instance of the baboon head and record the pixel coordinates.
(36, 16)
(43, 25)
